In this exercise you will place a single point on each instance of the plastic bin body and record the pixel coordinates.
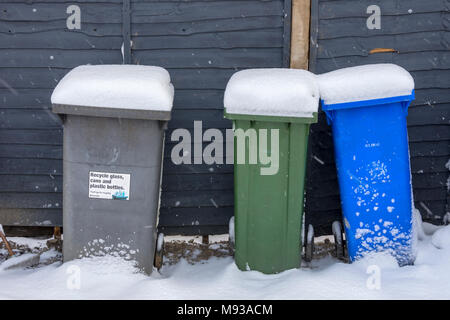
(372, 160)
(269, 208)
(102, 142)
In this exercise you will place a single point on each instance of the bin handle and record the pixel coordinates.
(329, 114)
(405, 105)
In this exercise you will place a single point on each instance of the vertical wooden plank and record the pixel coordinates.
(126, 32)
(287, 33)
(313, 35)
(301, 10)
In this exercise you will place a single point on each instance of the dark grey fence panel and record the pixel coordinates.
(417, 31)
(36, 51)
(201, 43)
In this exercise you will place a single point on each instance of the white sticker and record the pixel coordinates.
(107, 185)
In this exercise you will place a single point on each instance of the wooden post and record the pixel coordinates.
(301, 13)
(5, 241)
(57, 233)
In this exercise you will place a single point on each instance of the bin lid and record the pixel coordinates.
(288, 93)
(126, 91)
(374, 82)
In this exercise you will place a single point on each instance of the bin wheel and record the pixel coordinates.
(338, 239)
(231, 233)
(309, 244)
(159, 252)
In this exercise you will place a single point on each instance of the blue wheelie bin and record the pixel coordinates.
(366, 107)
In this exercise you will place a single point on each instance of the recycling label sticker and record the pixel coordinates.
(107, 185)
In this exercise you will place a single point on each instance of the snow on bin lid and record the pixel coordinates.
(272, 92)
(116, 86)
(367, 82)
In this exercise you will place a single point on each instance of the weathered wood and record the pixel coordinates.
(431, 96)
(413, 61)
(30, 183)
(57, 58)
(194, 199)
(429, 115)
(435, 194)
(208, 123)
(92, 12)
(171, 168)
(266, 38)
(58, 40)
(31, 200)
(432, 78)
(287, 13)
(430, 148)
(157, 12)
(28, 119)
(209, 58)
(202, 43)
(429, 164)
(30, 217)
(174, 217)
(351, 8)
(198, 182)
(126, 31)
(57, 233)
(313, 36)
(19, 98)
(431, 210)
(321, 220)
(51, 167)
(199, 99)
(30, 151)
(58, 27)
(242, 24)
(300, 33)
(401, 24)
(360, 46)
(32, 136)
(169, 145)
(429, 133)
(170, 131)
(28, 231)
(194, 230)
(5, 241)
(197, 115)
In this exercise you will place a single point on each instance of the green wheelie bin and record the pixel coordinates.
(272, 110)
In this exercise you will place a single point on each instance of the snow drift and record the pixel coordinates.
(116, 86)
(272, 92)
(367, 82)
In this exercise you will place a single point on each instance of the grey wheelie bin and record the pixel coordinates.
(114, 119)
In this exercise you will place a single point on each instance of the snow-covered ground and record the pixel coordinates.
(376, 277)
